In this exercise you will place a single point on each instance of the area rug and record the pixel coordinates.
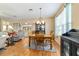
(1, 50)
(46, 47)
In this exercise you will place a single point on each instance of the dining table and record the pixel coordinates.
(45, 37)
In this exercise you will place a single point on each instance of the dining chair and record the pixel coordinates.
(49, 40)
(40, 41)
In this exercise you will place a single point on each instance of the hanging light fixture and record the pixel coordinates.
(30, 13)
(40, 13)
(40, 18)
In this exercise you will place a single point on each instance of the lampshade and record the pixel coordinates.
(42, 22)
(38, 22)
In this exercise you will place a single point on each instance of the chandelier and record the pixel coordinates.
(40, 21)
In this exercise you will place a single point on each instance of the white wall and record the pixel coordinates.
(75, 15)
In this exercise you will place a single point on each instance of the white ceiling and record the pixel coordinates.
(21, 10)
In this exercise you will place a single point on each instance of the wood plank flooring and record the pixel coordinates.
(18, 50)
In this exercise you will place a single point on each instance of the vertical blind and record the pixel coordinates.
(63, 21)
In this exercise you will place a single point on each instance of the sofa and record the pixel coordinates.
(20, 35)
(3, 40)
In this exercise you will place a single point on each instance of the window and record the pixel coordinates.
(63, 21)
(68, 16)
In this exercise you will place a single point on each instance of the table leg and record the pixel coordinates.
(50, 44)
(29, 41)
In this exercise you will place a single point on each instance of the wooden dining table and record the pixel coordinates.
(46, 37)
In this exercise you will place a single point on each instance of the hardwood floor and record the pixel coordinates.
(19, 50)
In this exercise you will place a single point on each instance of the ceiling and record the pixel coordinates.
(21, 10)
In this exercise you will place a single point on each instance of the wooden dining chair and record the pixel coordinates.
(49, 40)
(40, 41)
